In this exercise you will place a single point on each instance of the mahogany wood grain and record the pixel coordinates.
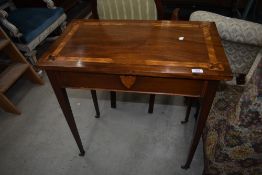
(149, 48)
(138, 56)
(144, 84)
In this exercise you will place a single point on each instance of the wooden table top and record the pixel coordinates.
(147, 48)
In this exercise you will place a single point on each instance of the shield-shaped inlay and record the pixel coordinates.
(128, 81)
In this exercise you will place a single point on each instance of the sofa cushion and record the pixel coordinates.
(241, 40)
(231, 29)
(31, 22)
(240, 56)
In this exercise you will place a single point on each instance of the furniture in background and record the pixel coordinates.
(233, 134)
(241, 39)
(28, 27)
(244, 9)
(65, 4)
(74, 9)
(131, 58)
(18, 67)
(186, 7)
(128, 10)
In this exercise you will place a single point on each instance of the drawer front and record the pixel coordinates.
(141, 84)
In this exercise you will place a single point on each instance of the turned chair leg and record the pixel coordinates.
(113, 99)
(151, 103)
(189, 102)
(94, 97)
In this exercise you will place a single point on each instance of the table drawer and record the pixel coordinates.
(141, 84)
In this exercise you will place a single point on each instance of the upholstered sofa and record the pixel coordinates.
(233, 134)
(241, 39)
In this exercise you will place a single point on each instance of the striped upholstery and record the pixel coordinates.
(127, 9)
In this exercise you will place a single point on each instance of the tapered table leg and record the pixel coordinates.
(94, 97)
(151, 103)
(113, 99)
(207, 98)
(62, 98)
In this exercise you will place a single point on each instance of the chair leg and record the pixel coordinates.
(59, 31)
(189, 106)
(197, 109)
(94, 97)
(113, 99)
(31, 57)
(7, 105)
(151, 103)
(175, 14)
(63, 26)
(186, 100)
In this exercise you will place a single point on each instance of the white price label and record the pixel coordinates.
(197, 71)
(181, 38)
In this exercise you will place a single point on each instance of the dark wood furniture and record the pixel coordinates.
(138, 56)
(223, 7)
(220, 4)
(66, 4)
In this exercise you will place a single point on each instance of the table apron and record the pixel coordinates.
(141, 84)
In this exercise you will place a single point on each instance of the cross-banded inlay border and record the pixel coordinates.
(212, 65)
